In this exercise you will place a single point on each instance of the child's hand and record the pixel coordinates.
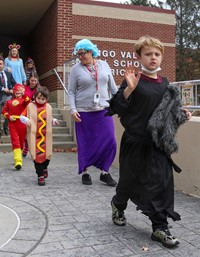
(57, 122)
(11, 118)
(132, 77)
(188, 113)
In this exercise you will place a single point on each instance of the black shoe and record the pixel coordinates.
(164, 236)
(86, 179)
(106, 178)
(18, 167)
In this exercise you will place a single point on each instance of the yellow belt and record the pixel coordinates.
(15, 117)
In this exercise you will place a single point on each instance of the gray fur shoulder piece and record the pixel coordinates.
(166, 119)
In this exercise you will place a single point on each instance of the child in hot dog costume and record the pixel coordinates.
(11, 111)
(38, 118)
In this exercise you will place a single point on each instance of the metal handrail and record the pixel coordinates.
(63, 85)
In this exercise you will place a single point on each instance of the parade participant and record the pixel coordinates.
(7, 83)
(38, 119)
(15, 64)
(150, 111)
(90, 85)
(11, 111)
(30, 69)
(30, 90)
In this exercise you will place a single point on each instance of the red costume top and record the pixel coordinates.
(14, 107)
(30, 92)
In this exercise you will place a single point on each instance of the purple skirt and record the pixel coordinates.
(96, 140)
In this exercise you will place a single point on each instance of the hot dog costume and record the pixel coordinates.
(14, 107)
(39, 135)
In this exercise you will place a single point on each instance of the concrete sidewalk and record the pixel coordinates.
(68, 219)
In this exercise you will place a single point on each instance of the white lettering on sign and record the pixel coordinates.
(126, 59)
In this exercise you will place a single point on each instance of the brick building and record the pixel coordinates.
(50, 39)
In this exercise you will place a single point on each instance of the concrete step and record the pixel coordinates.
(58, 116)
(56, 138)
(7, 147)
(60, 130)
(55, 111)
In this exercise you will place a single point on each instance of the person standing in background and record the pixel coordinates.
(15, 64)
(90, 85)
(30, 89)
(7, 83)
(30, 69)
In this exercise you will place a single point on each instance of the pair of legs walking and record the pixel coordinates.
(104, 177)
(160, 231)
(42, 171)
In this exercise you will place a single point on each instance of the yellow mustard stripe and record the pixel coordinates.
(39, 131)
(26, 99)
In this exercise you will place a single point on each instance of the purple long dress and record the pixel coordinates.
(96, 140)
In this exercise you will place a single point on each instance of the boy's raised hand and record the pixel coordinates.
(132, 77)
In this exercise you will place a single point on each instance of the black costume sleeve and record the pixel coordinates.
(118, 103)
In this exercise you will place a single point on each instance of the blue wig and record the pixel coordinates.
(87, 45)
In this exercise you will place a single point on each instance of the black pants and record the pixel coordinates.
(40, 167)
(5, 123)
(158, 219)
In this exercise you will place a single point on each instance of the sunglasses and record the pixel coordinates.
(82, 53)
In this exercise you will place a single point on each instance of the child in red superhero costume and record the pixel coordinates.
(38, 118)
(11, 111)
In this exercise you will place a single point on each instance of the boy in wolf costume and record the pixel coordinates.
(150, 111)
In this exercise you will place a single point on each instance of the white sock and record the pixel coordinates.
(85, 172)
(103, 172)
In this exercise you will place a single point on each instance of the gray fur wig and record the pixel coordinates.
(165, 121)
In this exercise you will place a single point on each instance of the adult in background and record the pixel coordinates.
(7, 83)
(90, 86)
(30, 69)
(15, 64)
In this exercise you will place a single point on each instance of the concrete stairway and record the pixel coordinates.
(62, 140)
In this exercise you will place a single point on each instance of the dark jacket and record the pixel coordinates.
(10, 83)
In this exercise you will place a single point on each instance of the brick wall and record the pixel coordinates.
(99, 29)
(50, 41)
(67, 21)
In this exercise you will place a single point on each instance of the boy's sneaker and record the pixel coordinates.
(45, 173)
(164, 236)
(106, 178)
(118, 217)
(86, 179)
(41, 181)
